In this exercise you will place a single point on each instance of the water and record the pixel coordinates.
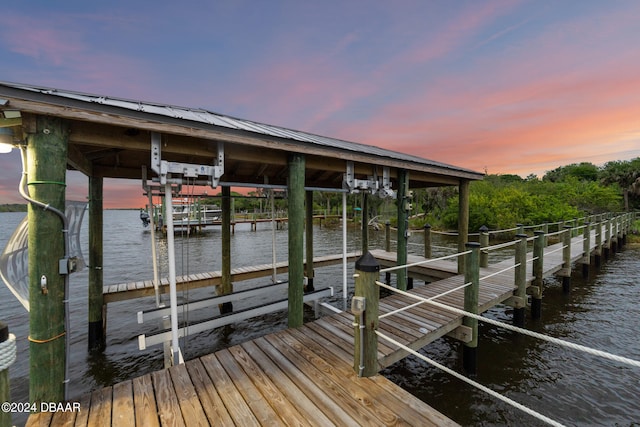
(573, 388)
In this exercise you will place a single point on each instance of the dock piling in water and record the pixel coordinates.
(472, 276)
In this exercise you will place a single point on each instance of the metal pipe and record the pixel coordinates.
(173, 296)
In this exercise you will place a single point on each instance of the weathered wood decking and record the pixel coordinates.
(131, 290)
(298, 376)
(301, 376)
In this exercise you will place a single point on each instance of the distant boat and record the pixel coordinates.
(186, 215)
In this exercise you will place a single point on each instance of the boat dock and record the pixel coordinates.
(145, 288)
(306, 375)
(301, 376)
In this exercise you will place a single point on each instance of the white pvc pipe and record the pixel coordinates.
(173, 294)
(344, 249)
(154, 255)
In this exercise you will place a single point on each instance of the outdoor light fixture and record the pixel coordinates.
(6, 140)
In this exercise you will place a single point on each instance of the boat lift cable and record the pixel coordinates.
(65, 233)
(469, 381)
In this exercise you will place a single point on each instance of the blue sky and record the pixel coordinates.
(504, 86)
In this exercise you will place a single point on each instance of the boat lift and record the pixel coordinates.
(174, 173)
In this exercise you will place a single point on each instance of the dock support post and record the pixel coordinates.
(309, 239)
(607, 238)
(598, 251)
(365, 222)
(427, 241)
(520, 278)
(47, 139)
(471, 275)
(484, 242)
(566, 259)
(538, 267)
(8, 351)
(586, 250)
(295, 191)
(365, 360)
(387, 247)
(463, 221)
(226, 287)
(403, 228)
(97, 307)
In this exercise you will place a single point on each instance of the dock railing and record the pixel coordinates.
(365, 304)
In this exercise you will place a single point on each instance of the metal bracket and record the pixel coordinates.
(174, 172)
(462, 333)
(373, 184)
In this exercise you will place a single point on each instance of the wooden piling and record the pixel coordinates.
(484, 242)
(226, 286)
(47, 139)
(538, 269)
(387, 247)
(427, 241)
(309, 240)
(586, 250)
(365, 222)
(471, 275)
(97, 307)
(403, 227)
(463, 220)
(566, 259)
(296, 197)
(520, 278)
(598, 250)
(366, 344)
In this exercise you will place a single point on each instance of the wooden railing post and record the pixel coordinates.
(607, 237)
(484, 242)
(598, 249)
(538, 267)
(387, 247)
(545, 230)
(586, 250)
(365, 309)
(7, 357)
(387, 236)
(566, 259)
(520, 278)
(519, 229)
(427, 241)
(471, 275)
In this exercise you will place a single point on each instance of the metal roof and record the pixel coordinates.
(206, 117)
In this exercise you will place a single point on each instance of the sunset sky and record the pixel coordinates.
(516, 87)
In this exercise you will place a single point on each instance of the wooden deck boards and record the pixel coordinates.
(300, 376)
(126, 291)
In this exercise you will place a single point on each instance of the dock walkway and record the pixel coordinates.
(298, 376)
(301, 376)
(144, 288)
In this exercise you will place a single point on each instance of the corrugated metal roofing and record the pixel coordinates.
(216, 119)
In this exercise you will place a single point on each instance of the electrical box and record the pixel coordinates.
(358, 305)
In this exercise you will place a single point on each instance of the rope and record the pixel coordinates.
(473, 383)
(499, 246)
(383, 285)
(398, 267)
(46, 182)
(499, 272)
(553, 340)
(47, 340)
(7, 352)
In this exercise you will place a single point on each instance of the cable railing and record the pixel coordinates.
(467, 288)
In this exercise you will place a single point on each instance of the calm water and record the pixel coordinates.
(573, 388)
